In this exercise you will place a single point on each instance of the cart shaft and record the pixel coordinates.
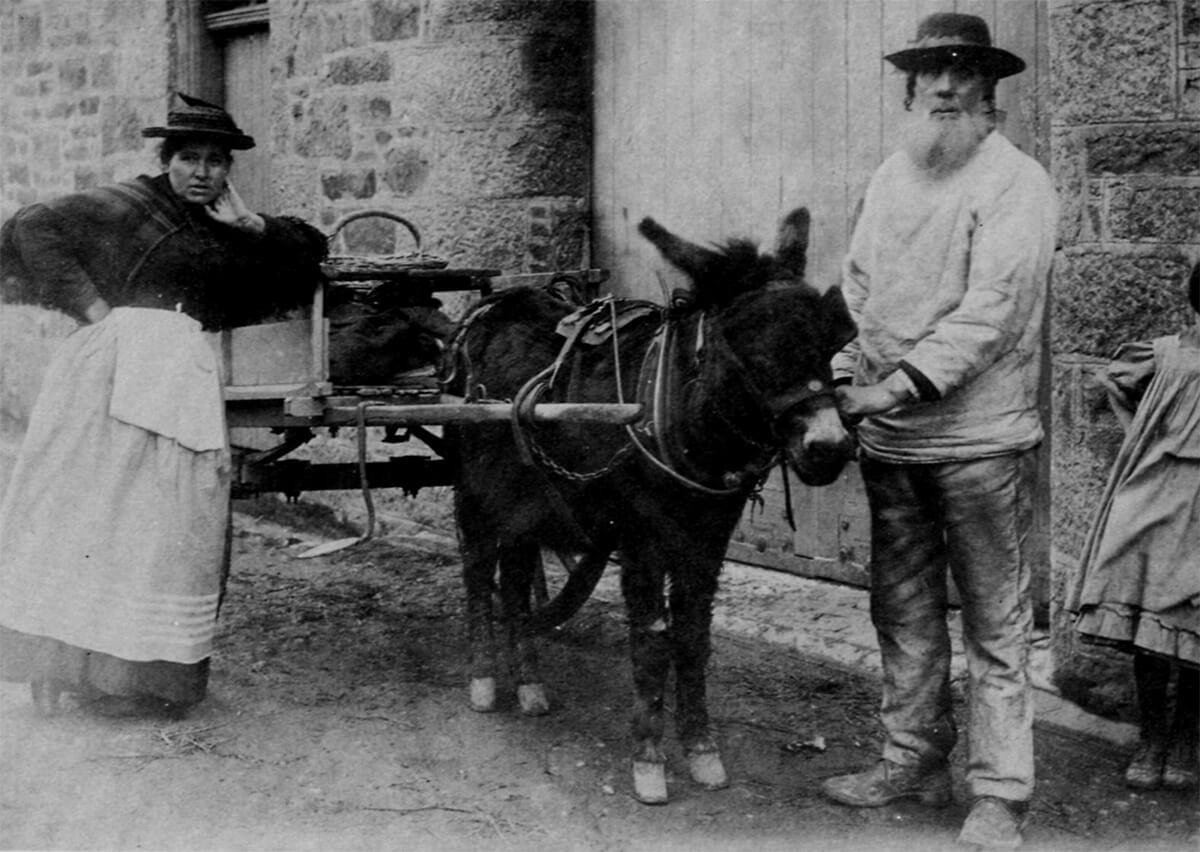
(460, 413)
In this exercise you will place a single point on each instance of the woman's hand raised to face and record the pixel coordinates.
(229, 209)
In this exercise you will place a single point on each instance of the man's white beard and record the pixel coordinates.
(941, 143)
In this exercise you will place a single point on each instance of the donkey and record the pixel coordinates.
(734, 376)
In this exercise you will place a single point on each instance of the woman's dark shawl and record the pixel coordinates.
(137, 244)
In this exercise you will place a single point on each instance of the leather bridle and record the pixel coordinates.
(777, 408)
(658, 389)
(711, 352)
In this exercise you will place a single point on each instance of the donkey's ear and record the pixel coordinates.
(792, 251)
(689, 258)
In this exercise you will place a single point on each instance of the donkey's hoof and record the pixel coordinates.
(531, 697)
(649, 782)
(483, 694)
(707, 770)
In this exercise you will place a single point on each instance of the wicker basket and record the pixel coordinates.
(347, 267)
(360, 268)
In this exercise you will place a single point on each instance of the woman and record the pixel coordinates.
(113, 529)
(1139, 583)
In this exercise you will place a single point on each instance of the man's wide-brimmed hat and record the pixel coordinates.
(194, 117)
(951, 38)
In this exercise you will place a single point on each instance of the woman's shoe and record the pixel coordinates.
(1145, 769)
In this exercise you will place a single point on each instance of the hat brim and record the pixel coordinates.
(236, 141)
(990, 60)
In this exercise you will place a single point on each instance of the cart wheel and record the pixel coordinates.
(562, 585)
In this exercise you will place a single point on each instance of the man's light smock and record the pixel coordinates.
(946, 278)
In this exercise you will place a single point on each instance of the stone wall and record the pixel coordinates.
(73, 98)
(1126, 158)
(471, 117)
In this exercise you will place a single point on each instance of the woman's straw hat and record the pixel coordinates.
(194, 117)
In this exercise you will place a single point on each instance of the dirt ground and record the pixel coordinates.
(337, 719)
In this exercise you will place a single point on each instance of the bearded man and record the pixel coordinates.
(946, 278)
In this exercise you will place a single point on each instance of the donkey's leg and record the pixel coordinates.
(692, 593)
(650, 652)
(478, 551)
(480, 634)
(518, 565)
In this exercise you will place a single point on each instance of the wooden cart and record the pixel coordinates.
(278, 381)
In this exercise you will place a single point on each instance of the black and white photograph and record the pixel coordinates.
(600, 425)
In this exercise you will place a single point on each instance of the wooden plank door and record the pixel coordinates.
(240, 34)
(247, 66)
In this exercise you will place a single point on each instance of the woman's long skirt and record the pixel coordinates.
(113, 546)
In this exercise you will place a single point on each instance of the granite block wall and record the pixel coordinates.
(1126, 159)
(73, 99)
(470, 117)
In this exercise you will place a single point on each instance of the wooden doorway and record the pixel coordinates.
(718, 116)
(222, 54)
(241, 32)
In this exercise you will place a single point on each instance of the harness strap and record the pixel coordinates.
(656, 375)
(789, 513)
(577, 332)
(456, 351)
(523, 423)
(656, 386)
(776, 407)
(781, 405)
(522, 411)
